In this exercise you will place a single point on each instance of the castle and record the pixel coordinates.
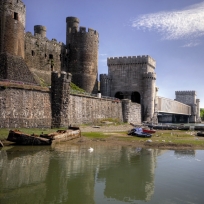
(28, 61)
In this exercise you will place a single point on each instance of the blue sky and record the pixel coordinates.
(172, 32)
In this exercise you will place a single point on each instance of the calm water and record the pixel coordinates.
(109, 174)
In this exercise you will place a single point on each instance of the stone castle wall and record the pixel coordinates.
(20, 107)
(32, 107)
(44, 56)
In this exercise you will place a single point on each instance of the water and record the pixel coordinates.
(109, 174)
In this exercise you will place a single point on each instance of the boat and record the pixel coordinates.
(148, 131)
(201, 134)
(63, 135)
(21, 138)
(139, 134)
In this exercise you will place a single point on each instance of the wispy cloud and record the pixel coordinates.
(102, 54)
(181, 24)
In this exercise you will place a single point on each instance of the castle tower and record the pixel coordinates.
(60, 92)
(149, 88)
(188, 98)
(82, 55)
(12, 26)
(105, 84)
(41, 30)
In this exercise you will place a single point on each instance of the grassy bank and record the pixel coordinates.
(161, 139)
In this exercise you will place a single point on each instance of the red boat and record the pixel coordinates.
(148, 131)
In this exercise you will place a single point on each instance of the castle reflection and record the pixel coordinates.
(71, 174)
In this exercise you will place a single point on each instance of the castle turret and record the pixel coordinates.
(12, 26)
(40, 30)
(82, 55)
(149, 80)
(105, 84)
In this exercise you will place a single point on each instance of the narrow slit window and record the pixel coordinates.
(33, 53)
(15, 16)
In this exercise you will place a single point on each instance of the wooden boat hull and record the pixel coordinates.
(25, 139)
(44, 139)
(63, 135)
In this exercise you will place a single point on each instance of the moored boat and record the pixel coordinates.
(21, 138)
(201, 134)
(148, 131)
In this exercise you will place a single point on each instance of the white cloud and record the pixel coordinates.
(191, 44)
(102, 54)
(181, 24)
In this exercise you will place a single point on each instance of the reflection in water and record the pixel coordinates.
(72, 174)
(184, 153)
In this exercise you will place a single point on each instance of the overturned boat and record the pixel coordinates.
(21, 138)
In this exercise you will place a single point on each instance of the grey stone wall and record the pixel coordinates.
(84, 109)
(131, 112)
(24, 108)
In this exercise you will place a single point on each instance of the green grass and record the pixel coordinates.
(97, 135)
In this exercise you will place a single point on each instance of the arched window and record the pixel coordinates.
(119, 95)
(135, 97)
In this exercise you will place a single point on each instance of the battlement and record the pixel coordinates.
(45, 39)
(83, 30)
(185, 92)
(144, 59)
(197, 100)
(149, 75)
(62, 76)
(104, 77)
(41, 30)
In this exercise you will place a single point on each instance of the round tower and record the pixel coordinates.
(82, 55)
(12, 26)
(41, 30)
(148, 100)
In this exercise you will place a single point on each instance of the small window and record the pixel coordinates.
(33, 53)
(45, 56)
(15, 16)
(50, 56)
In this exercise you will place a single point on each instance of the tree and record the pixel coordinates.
(202, 113)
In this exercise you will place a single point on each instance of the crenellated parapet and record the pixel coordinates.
(185, 92)
(144, 59)
(104, 77)
(149, 75)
